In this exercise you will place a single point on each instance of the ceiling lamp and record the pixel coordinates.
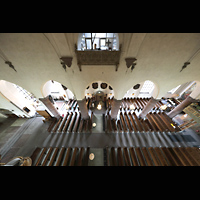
(130, 61)
(10, 65)
(99, 106)
(91, 156)
(132, 106)
(67, 107)
(94, 125)
(163, 107)
(66, 61)
(185, 65)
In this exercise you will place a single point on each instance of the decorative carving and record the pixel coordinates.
(104, 85)
(67, 61)
(97, 57)
(130, 61)
(95, 85)
(10, 65)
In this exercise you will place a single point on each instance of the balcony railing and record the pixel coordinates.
(98, 57)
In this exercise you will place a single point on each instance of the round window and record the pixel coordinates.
(95, 85)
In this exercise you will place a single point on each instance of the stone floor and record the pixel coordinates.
(33, 133)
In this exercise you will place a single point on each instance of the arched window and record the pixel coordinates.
(144, 89)
(24, 101)
(57, 91)
(98, 41)
(147, 87)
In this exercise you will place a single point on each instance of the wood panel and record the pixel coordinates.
(67, 123)
(63, 122)
(127, 159)
(147, 156)
(123, 123)
(54, 156)
(119, 156)
(133, 157)
(140, 157)
(60, 156)
(151, 122)
(132, 122)
(127, 122)
(138, 122)
(113, 157)
(66, 157)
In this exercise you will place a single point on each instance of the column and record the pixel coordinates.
(181, 106)
(152, 102)
(115, 108)
(50, 106)
(83, 108)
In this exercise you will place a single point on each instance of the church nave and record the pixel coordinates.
(99, 99)
(100, 132)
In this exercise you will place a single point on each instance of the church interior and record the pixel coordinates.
(99, 99)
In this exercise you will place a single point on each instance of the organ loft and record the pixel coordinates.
(99, 99)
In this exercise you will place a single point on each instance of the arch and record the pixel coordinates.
(191, 88)
(60, 94)
(99, 40)
(196, 92)
(25, 102)
(143, 89)
(89, 91)
(56, 90)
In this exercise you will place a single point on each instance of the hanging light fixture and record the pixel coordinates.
(163, 107)
(132, 106)
(99, 106)
(10, 65)
(94, 125)
(91, 156)
(67, 107)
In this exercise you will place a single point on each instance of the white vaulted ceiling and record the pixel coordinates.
(160, 57)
